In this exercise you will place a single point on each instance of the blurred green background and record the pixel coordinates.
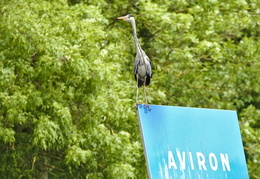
(67, 90)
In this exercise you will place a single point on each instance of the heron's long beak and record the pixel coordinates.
(123, 17)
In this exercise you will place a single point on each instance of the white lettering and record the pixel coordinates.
(171, 162)
(225, 162)
(201, 160)
(191, 161)
(204, 162)
(213, 156)
(181, 159)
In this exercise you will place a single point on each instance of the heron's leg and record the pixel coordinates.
(145, 92)
(136, 91)
(146, 103)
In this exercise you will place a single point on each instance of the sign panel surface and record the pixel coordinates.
(182, 142)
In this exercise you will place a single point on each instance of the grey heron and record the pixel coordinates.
(142, 63)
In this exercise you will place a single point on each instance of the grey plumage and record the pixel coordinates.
(142, 69)
(142, 63)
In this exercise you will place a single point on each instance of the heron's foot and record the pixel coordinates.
(147, 108)
(138, 105)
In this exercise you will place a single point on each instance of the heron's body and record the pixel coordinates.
(142, 63)
(142, 69)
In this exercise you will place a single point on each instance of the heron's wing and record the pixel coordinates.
(136, 62)
(148, 64)
(144, 63)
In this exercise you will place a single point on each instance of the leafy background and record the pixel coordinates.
(67, 91)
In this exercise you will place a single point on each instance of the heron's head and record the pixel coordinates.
(127, 18)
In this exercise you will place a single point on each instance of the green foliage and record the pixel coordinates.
(67, 90)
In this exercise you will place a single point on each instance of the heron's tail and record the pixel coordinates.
(140, 83)
(147, 82)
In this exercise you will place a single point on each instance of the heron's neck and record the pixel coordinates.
(137, 45)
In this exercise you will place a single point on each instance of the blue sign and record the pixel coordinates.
(182, 142)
